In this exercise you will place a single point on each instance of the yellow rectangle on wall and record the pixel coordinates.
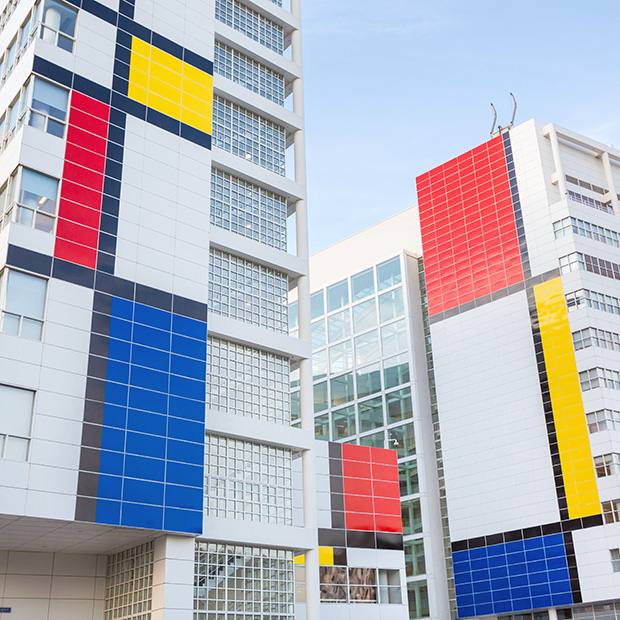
(573, 441)
(171, 86)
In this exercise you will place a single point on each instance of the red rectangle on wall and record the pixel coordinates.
(79, 211)
(464, 203)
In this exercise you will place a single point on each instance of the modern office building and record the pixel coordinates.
(151, 154)
(371, 388)
(522, 264)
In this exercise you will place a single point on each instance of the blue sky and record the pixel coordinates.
(396, 87)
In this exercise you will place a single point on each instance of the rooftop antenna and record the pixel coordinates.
(500, 129)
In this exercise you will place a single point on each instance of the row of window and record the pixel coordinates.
(585, 298)
(340, 584)
(7, 11)
(602, 420)
(53, 21)
(597, 189)
(594, 337)
(39, 104)
(248, 135)
(586, 229)
(254, 76)
(590, 202)
(607, 465)
(250, 23)
(593, 264)
(594, 378)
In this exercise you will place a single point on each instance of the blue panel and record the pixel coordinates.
(163, 382)
(178, 520)
(515, 576)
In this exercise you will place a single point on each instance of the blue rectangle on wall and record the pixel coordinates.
(153, 422)
(512, 577)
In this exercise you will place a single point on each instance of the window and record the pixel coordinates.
(319, 365)
(249, 481)
(317, 334)
(412, 516)
(593, 337)
(343, 422)
(48, 110)
(321, 427)
(415, 562)
(389, 586)
(295, 406)
(368, 380)
(29, 198)
(342, 389)
(320, 396)
(586, 229)
(17, 112)
(399, 405)
(591, 299)
(317, 305)
(603, 419)
(293, 318)
(58, 27)
(607, 465)
(408, 478)
(388, 273)
(364, 316)
(339, 325)
(611, 511)
(367, 348)
(363, 284)
(593, 264)
(394, 337)
(615, 560)
(391, 305)
(371, 414)
(362, 585)
(16, 407)
(396, 370)
(590, 202)
(402, 438)
(417, 593)
(340, 357)
(337, 295)
(376, 440)
(22, 301)
(333, 581)
(599, 377)
(9, 59)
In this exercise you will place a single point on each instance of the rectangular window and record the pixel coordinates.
(391, 305)
(611, 511)
(362, 585)
(58, 27)
(367, 348)
(399, 406)
(389, 587)
(317, 334)
(388, 273)
(319, 365)
(417, 592)
(607, 464)
(340, 357)
(317, 305)
(337, 295)
(342, 389)
(375, 440)
(343, 423)
(396, 370)
(615, 560)
(15, 422)
(371, 414)
(415, 562)
(48, 109)
(394, 337)
(339, 325)
(368, 380)
(333, 581)
(320, 396)
(603, 419)
(363, 284)
(22, 302)
(402, 438)
(364, 316)
(408, 478)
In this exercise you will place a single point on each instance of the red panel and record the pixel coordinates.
(387, 523)
(385, 489)
(385, 506)
(357, 486)
(75, 253)
(360, 521)
(358, 503)
(466, 203)
(351, 452)
(380, 455)
(389, 473)
(77, 232)
(355, 469)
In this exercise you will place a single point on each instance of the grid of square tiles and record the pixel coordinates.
(469, 234)
(79, 211)
(512, 576)
(152, 443)
(371, 489)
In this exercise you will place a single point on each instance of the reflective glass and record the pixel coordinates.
(364, 316)
(339, 325)
(38, 191)
(320, 396)
(16, 448)
(50, 99)
(399, 405)
(337, 295)
(342, 389)
(371, 414)
(391, 305)
(363, 284)
(59, 17)
(340, 357)
(394, 337)
(367, 348)
(319, 364)
(368, 380)
(293, 315)
(295, 406)
(15, 411)
(408, 477)
(321, 427)
(376, 440)
(417, 593)
(415, 561)
(25, 295)
(403, 439)
(388, 273)
(343, 422)
(396, 370)
(318, 334)
(317, 305)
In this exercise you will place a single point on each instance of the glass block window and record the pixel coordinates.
(129, 584)
(247, 381)
(247, 209)
(250, 23)
(248, 135)
(252, 75)
(250, 481)
(247, 291)
(234, 582)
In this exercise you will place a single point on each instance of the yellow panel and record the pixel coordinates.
(170, 86)
(326, 556)
(300, 559)
(570, 421)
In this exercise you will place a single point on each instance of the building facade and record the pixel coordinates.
(371, 387)
(152, 154)
(520, 243)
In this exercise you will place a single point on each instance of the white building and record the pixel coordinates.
(522, 263)
(144, 194)
(371, 388)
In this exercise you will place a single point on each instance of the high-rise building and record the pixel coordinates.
(151, 154)
(371, 388)
(520, 243)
